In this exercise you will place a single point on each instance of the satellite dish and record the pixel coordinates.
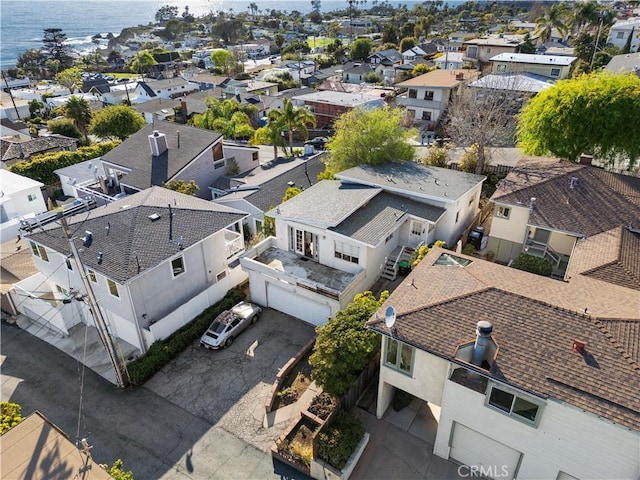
(390, 317)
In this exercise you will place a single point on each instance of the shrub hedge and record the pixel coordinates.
(163, 351)
(532, 264)
(42, 167)
(337, 444)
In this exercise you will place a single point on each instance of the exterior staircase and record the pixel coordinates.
(390, 268)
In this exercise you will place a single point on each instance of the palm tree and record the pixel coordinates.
(78, 110)
(554, 17)
(292, 119)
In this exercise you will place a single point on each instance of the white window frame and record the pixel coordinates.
(502, 212)
(91, 274)
(397, 365)
(555, 72)
(516, 396)
(31, 197)
(428, 95)
(110, 284)
(348, 253)
(173, 268)
(221, 275)
(42, 253)
(67, 260)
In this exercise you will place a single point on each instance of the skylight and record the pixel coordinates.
(449, 260)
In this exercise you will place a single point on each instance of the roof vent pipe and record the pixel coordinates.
(483, 335)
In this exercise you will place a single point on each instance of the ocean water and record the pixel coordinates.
(22, 22)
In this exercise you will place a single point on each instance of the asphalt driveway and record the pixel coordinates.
(229, 387)
(199, 418)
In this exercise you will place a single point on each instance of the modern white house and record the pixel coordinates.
(621, 30)
(548, 208)
(526, 377)
(339, 237)
(20, 198)
(168, 88)
(157, 153)
(154, 261)
(449, 61)
(555, 67)
(429, 95)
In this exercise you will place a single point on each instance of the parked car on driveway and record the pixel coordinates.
(229, 324)
(318, 142)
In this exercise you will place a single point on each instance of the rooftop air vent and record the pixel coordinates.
(87, 239)
(154, 216)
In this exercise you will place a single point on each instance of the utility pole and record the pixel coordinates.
(95, 309)
(11, 95)
(595, 49)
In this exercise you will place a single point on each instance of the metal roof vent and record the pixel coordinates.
(574, 182)
(87, 239)
(153, 217)
(291, 183)
(483, 335)
(532, 203)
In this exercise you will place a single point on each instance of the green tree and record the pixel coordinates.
(597, 113)
(290, 193)
(627, 45)
(270, 134)
(11, 414)
(437, 156)
(527, 46)
(369, 137)
(35, 108)
(116, 121)
(406, 43)
(372, 77)
(188, 188)
(31, 63)
(554, 17)
(166, 13)
(79, 111)
(284, 80)
(344, 346)
(66, 127)
(227, 117)
(292, 119)
(117, 469)
(142, 63)
(360, 49)
(223, 59)
(421, 68)
(54, 47)
(278, 39)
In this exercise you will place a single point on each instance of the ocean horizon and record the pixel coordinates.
(23, 21)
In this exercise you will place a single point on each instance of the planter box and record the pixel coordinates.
(323, 471)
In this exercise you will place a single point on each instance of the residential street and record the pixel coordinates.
(155, 437)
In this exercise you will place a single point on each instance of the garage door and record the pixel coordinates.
(492, 459)
(297, 306)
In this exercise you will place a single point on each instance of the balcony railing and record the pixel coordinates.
(234, 243)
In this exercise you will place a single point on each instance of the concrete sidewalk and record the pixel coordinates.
(396, 453)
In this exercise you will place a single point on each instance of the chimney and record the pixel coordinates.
(579, 346)
(585, 159)
(459, 76)
(483, 335)
(574, 182)
(158, 143)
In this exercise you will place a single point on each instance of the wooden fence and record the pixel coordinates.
(349, 399)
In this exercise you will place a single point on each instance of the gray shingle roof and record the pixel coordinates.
(272, 191)
(126, 236)
(35, 146)
(421, 180)
(135, 154)
(327, 204)
(374, 221)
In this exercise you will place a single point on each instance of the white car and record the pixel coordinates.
(229, 324)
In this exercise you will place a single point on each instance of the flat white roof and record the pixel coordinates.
(12, 182)
(338, 98)
(561, 60)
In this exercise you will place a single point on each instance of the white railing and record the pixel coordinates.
(234, 243)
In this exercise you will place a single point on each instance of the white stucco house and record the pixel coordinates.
(526, 377)
(427, 96)
(154, 261)
(547, 208)
(621, 30)
(157, 153)
(338, 237)
(20, 198)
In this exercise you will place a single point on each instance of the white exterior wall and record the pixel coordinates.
(426, 381)
(242, 155)
(566, 439)
(562, 243)
(535, 68)
(513, 228)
